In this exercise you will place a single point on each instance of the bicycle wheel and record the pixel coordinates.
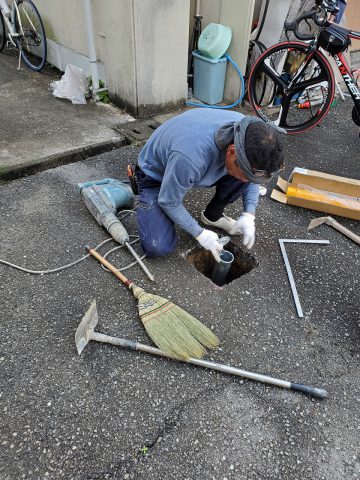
(32, 40)
(255, 51)
(300, 86)
(2, 32)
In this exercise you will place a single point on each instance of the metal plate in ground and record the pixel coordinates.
(137, 132)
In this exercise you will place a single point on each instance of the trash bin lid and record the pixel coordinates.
(214, 40)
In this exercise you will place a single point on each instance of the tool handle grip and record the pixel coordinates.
(108, 265)
(344, 230)
(314, 391)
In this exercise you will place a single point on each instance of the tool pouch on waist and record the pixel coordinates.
(132, 179)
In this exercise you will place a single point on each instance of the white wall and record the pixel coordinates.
(161, 43)
(114, 31)
(141, 47)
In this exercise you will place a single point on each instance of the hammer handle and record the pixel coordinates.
(344, 230)
(108, 265)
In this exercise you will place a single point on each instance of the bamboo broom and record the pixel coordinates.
(172, 329)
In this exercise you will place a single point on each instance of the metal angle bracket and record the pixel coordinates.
(282, 242)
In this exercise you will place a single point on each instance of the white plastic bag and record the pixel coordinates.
(72, 85)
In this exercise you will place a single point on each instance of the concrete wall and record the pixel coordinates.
(161, 44)
(141, 47)
(115, 46)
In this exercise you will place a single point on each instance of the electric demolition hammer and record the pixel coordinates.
(103, 198)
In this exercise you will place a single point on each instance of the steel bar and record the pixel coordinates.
(282, 241)
(140, 262)
(295, 240)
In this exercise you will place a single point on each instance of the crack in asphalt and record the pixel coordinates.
(171, 420)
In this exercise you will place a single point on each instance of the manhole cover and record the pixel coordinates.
(204, 262)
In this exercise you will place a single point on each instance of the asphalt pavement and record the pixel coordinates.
(39, 131)
(116, 414)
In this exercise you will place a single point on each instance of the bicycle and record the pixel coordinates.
(24, 30)
(292, 84)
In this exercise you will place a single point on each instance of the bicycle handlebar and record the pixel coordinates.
(294, 25)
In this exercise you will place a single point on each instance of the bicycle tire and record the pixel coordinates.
(2, 32)
(286, 109)
(256, 49)
(33, 43)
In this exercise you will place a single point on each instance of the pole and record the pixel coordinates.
(91, 45)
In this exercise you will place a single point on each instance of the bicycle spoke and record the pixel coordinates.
(285, 111)
(308, 83)
(272, 73)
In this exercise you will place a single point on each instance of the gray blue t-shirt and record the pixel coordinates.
(182, 154)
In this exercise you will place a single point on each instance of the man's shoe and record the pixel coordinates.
(225, 223)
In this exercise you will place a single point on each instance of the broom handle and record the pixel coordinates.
(108, 265)
(120, 342)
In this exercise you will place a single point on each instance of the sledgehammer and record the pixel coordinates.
(85, 332)
(333, 223)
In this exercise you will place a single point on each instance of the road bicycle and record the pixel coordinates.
(21, 25)
(292, 84)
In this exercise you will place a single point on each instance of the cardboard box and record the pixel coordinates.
(321, 192)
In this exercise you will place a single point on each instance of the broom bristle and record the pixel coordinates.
(171, 328)
(198, 330)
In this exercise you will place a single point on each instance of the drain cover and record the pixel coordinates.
(138, 131)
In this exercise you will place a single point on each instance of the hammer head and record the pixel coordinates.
(318, 221)
(86, 327)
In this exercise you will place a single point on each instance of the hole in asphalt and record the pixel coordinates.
(204, 262)
(136, 131)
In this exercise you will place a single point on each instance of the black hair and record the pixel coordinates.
(263, 147)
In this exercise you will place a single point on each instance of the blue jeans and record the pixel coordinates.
(156, 230)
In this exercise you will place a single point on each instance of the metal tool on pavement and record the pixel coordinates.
(103, 198)
(333, 223)
(85, 332)
(282, 242)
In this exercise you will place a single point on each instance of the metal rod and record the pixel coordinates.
(317, 392)
(197, 11)
(282, 241)
(291, 279)
(295, 240)
(140, 262)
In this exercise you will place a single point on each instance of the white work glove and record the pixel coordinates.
(245, 225)
(210, 241)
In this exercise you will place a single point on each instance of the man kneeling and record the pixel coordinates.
(197, 149)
